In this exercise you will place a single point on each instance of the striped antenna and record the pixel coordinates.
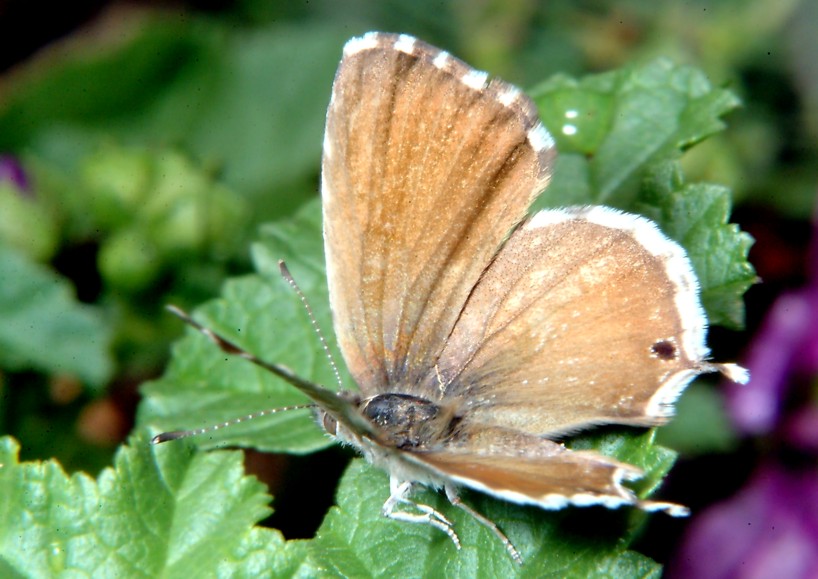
(230, 348)
(285, 273)
(340, 405)
(177, 434)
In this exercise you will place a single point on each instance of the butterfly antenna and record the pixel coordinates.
(285, 273)
(177, 434)
(334, 403)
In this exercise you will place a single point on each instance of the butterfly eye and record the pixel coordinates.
(329, 423)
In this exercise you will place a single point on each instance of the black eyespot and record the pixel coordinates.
(664, 350)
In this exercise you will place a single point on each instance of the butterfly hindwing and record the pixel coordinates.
(587, 316)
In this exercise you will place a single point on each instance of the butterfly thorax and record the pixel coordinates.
(404, 421)
(409, 422)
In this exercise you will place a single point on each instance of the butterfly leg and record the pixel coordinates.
(454, 498)
(399, 491)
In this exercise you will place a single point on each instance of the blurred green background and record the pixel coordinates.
(142, 143)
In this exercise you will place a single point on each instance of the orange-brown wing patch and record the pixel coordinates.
(427, 168)
(525, 469)
(587, 316)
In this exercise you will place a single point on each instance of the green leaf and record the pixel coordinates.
(696, 215)
(609, 127)
(239, 98)
(160, 511)
(204, 387)
(38, 308)
(263, 125)
(634, 447)
(97, 87)
(355, 540)
(701, 425)
(26, 223)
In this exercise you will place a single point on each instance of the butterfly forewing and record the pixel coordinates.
(427, 168)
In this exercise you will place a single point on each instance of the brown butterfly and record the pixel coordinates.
(478, 336)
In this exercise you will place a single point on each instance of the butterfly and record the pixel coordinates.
(479, 336)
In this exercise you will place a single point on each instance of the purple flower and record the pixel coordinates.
(801, 430)
(769, 529)
(784, 351)
(12, 171)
